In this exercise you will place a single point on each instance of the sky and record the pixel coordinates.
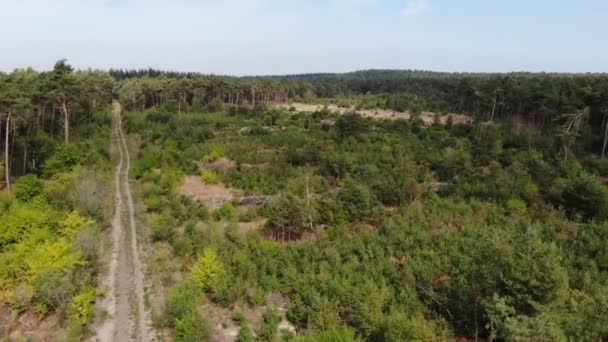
(261, 37)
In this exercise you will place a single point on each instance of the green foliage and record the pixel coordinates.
(356, 199)
(401, 328)
(181, 302)
(81, 307)
(207, 270)
(268, 328)
(226, 211)
(517, 206)
(350, 125)
(341, 334)
(64, 159)
(163, 229)
(210, 177)
(585, 194)
(288, 217)
(24, 220)
(73, 224)
(420, 232)
(245, 332)
(213, 156)
(53, 289)
(28, 187)
(191, 328)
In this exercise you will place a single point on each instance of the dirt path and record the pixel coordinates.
(128, 318)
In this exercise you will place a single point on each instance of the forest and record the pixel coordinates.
(266, 223)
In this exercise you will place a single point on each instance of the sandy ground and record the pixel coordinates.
(212, 195)
(128, 318)
(427, 117)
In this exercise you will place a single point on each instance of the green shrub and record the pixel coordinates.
(53, 289)
(341, 334)
(269, 326)
(356, 199)
(66, 156)
(226, 211)
(17, 305)
(245, 333)
(191, 328)
(585, 194)
(517, 207)
(154, 203)
(28, 187)
(207, 269)
(288, 218)
(213, 156)
(401, 328)
(163, 229)
(81, 308)
(26, 219)
(181, 302)
(210, 177)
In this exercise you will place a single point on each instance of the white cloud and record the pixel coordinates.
(414, 7)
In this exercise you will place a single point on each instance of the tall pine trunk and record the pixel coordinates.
(7, 168)
(66, 121)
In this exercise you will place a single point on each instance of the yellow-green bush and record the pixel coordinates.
(26, 219)
(207, 270)
(210, 177)
(81, 307)
(213, 156)
(72, 224)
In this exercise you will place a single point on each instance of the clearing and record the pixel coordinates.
(427, 117)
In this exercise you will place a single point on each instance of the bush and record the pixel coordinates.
(517, 207)
(191, 328)
(162, 229)
(356, 199)
(80, 308)
(207, 270)
(26, 219)
(28, 187)
(226, 211)
(181, 302)
(87, 193)
(210, 177)
(288, 216)
(66, 156)
(400, 328)
(153, 203)
(269, 326)
(341, 334)
(73, 224)
(212, 156)
(245, 332)
(586, 195)
(53, 289)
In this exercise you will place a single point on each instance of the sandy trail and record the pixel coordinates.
(128, 319)
(427, 117)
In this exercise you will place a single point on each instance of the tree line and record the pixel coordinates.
(44, 105)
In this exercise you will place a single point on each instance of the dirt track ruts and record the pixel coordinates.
(128, 318)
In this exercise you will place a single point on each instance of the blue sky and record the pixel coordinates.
(241, 37)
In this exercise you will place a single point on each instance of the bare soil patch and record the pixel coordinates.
(221, 164)
(212, 195)
(28, 327)
(427, 117)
